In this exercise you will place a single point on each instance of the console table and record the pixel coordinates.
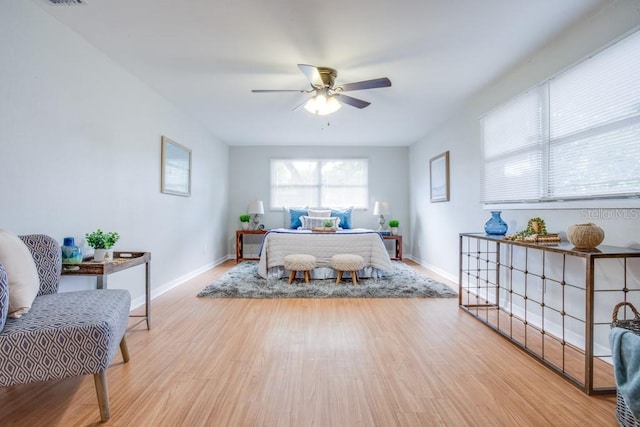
(553, 301)
(121, 261)
(240, 243)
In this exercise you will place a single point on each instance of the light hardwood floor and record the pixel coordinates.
(310, 362)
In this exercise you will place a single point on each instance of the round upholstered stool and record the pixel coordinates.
(299, 262)
(347, 262)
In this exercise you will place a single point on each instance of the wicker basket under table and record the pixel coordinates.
(624, 416)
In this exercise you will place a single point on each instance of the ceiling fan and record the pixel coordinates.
(328, 97)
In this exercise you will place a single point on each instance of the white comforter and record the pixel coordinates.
(282, 242)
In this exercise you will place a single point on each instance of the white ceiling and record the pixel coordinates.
(205, 56)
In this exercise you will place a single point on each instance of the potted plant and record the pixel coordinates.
(244, 221)
(393, 224)
(328, 224)
(101, 242)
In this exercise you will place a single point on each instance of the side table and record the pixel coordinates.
(121, 261)
(240, 243)
(398, 246)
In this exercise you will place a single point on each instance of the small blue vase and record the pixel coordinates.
(495, 226)
(71, 254)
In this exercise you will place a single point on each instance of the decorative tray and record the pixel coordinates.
(324, 230)
(549, 239)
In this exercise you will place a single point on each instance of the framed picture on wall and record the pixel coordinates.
(176, 168)
(439, 177)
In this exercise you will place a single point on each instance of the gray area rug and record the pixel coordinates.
(243, 281)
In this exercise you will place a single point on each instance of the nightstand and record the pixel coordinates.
(398, 248)
(240, 243)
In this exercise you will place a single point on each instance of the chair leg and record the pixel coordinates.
(307, 276)
(354, 277)
(103, 395)
(124, 349)
(339, 277)
(291, 276)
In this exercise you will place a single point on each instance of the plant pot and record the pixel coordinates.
(394, 231)
(244, 225)
(585, 236)
(100, 255)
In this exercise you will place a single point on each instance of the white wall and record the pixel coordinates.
(435, 226)
(249, 171)
(80, 150)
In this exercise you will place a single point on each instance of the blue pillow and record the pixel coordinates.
(345, 217)
(295, 215)
(4, 296)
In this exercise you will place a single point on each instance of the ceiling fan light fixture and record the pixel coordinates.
(322, 105)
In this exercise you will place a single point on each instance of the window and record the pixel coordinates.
(575, 136)
(319, 183)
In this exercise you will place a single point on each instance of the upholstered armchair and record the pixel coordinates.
(63, 334)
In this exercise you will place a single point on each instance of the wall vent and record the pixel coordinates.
(67, 2)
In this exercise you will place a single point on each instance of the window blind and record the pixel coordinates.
(575, 136)
(512, 139)
(319, 183)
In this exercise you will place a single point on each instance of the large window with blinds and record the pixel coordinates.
(319, 183)
(575, 136)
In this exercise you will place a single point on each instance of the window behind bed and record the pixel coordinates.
(319, 182)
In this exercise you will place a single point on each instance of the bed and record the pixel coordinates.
(281, 242)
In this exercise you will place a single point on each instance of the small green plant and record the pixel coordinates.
(394, 223)
(536, 226)
(328, 224)
(101, 240)
(245, 218)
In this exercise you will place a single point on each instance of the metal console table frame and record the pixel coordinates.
(552, 301)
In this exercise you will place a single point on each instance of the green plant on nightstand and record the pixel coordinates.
(393, 225)
(101, 242)
(244, 221)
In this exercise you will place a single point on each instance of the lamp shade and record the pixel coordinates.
(256, 207)
(381, 208)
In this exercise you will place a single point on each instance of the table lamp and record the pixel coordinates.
(256, 208)
(382, 209)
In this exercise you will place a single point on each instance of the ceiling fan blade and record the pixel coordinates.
(279, 90)
(312, 74)
(366, 84)
(354, 102)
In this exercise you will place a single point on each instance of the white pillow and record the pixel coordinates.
(320, 213)
(22, 273)
(309, 222)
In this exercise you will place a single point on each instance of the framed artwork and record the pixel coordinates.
(439, 174)
(176, 168)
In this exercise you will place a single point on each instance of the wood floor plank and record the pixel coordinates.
(312, 362)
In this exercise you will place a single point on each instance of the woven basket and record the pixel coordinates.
(624, 416)
(585, 236)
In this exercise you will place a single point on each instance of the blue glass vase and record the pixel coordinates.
(71, 254)
(496, 226)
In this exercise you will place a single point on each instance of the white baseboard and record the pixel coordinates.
(441, 272)
(139, 302)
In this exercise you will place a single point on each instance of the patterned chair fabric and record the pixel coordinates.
(4, 296)
(63, 334)
(48, 258)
